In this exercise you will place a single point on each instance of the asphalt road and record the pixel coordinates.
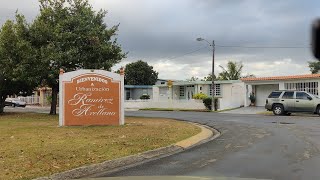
(250, 146)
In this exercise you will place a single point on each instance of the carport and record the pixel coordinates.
(263, 86)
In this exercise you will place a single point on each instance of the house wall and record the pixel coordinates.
(265, 86)
(176, 104)
(232, 95)
(136, 93)
(163, 93)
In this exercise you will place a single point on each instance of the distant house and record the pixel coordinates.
(230, 93)
(263, 86)
(134, 92)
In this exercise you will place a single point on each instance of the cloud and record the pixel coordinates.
(162, 32)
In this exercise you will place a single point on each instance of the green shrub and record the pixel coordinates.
(252, 98)
(208, 103)
(200, 96)
(49, 99)
(145, 96)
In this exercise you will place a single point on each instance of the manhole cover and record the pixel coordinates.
(282, 122)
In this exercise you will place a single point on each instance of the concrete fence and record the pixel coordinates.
(30, 100)
(176, 104)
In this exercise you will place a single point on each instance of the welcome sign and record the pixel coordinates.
(91, 97)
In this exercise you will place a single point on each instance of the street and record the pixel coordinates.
(250, 146)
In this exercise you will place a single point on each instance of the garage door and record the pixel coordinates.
(263, 91)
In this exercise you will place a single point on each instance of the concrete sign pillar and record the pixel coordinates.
(91, 97)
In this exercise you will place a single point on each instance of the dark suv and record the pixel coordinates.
(284, 102)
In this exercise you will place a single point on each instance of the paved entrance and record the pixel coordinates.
(246, 110)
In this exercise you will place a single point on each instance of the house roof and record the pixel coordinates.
(182, 83)
(274, 78)
(138, 86)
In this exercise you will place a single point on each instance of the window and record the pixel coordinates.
(200, 88)
(217, 90)
(163, 82)
(181, 89)
(275, 94)
(302, 95)
(311, 87)
(288, 95)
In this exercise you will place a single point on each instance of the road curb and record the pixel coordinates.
(95, 170)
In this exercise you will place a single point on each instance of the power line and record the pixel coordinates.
(191, 52)
(265, 47)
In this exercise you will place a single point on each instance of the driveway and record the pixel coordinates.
(246, 110)
(250, 146)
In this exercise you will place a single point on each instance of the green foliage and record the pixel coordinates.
(233, 71)
(17, 73)
(209, 77)
(49, 99)
(140, 73)
(208, 103)
(193, 78)
(249, 76)
(200, 96)
(69, 34)
(145, 96)
(252, 98)
(314, 66)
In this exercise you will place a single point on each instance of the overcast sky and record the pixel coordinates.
(163, 32)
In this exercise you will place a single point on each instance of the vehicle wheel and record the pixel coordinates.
(318, 110)
(13, 105)
(278, 110)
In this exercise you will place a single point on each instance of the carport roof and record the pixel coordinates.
(305, 76)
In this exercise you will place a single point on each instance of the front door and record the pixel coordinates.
(190, 91)
(303, 103)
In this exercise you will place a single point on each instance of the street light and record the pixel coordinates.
(213, 107)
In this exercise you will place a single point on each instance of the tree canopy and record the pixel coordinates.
(209, 77)
(314, 66)
(140, 73)
(69, 34)
(17, 72)
(231, 72)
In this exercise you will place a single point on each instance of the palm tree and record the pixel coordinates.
(233, 71)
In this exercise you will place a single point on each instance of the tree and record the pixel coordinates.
(314, 66)
(233, 71)
(140, 73)
(17, 75)
(249, 76)
(209, 77)
(193, 78)
(69, 34)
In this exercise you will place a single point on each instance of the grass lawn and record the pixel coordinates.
(32, 145)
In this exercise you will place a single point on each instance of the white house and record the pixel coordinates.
(230, 93)
(263, 86)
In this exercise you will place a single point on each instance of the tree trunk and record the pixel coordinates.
(54, 95)
(2, 100)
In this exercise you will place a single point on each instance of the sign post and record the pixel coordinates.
(91, 97)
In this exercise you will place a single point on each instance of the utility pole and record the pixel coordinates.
(213, 107)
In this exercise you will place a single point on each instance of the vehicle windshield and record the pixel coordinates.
(223, 89)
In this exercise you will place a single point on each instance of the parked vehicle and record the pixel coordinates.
(14, 102)
(285, 102)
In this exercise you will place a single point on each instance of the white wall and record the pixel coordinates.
(177, 104)
(232, 95)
